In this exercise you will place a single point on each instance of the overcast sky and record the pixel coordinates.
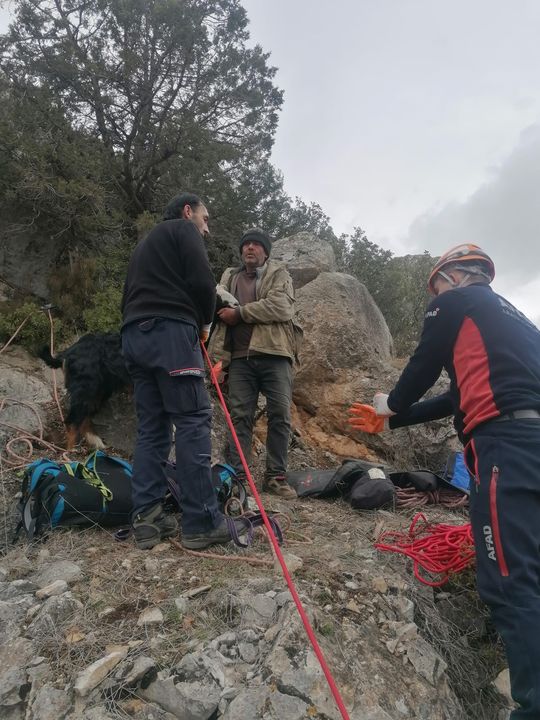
(418, 120)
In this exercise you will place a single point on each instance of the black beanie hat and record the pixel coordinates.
(259, 236)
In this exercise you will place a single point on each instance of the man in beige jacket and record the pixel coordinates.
(257, 343)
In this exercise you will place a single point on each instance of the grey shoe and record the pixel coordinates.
(152, 526)
(278, 485)
(219, 535)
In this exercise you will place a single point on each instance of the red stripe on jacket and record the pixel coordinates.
(472, 376)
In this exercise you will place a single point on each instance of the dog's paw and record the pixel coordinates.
(94, 441)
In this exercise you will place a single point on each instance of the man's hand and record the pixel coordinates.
(204, 333)
(230, 316)
(365, 419)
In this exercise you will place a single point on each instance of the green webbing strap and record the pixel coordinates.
(89, 474)
(89, 469)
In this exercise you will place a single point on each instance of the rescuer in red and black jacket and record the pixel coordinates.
(491, 353)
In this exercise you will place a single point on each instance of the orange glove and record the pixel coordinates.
(365, 419)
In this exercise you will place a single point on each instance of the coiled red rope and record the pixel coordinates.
(277, 550)
(437, 549)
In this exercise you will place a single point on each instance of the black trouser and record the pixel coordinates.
(505, 518)
(164, 359)
(272, 376)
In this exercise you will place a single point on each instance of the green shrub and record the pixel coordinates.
(36, 331)
(104, 313)
(72, 289)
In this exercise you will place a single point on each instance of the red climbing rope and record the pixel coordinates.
(277, 550)
(438, 549)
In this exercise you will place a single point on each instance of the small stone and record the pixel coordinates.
(271, 634)
(248, 635)
(106, 612)
(43, 555)
(32, 612)
(11, 681)
(58, 570)
(283, 598)
(95, 673)
(380, 585)
(407, 632)
(248, 652)
(143, 667)
(160, 547)
(293, 562)
(55, 588)
(350, 585)
(181, 604)
(151, 565)
(20, 587)
(425, 660)
(196, 591)
(354, 607)
(228, 638)
(74, 635)
(150, 616)
(114, 647)
(50, 703)
(403, 607)
(126, 564)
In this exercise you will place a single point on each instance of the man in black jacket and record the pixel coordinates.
(167, 307)
(491, 353)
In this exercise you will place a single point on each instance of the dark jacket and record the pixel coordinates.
(490, 351)
(169, 276)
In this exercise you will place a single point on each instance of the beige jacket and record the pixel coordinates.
(275, 331)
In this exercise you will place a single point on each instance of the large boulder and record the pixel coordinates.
(343, 328)
(305, 256)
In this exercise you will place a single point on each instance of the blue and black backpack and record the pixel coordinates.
(94, 492)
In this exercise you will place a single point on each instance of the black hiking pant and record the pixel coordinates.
(164, 359)
(270, 375)
(504, 456)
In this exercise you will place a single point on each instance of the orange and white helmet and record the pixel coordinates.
(466, 255)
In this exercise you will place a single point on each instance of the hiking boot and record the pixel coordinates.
(218, 536)
(278, 485)
(153, 526)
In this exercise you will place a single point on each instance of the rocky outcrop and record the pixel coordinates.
(27, 259)
(306, 257)
(25, 390)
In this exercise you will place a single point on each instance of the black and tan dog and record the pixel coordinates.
(93, 370)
